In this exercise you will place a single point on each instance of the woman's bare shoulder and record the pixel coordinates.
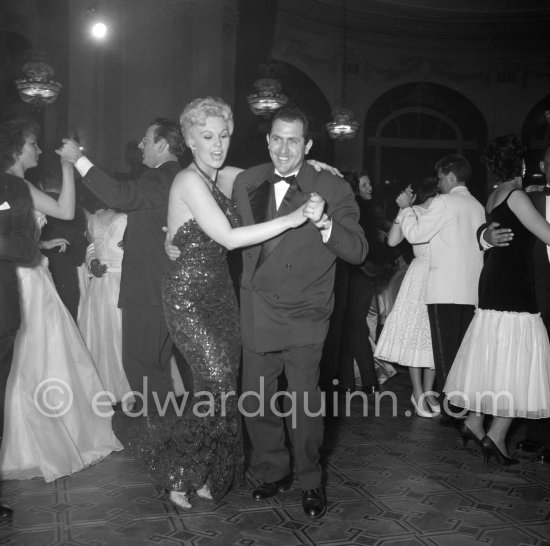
(226, 179)
(186, 177)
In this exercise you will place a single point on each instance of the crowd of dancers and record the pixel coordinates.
(293, 218)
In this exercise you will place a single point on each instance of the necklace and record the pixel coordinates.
(204, 175)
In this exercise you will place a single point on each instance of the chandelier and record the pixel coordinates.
(268, 97)
(343, 126)
(38, 87)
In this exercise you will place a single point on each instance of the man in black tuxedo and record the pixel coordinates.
(538, 430)
(146, 343)
(286, 302)
(63, 258)
(17, 245)
(537, 437)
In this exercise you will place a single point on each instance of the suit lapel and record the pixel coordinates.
(260, 202)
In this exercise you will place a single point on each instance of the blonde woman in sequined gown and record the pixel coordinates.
(201, 452)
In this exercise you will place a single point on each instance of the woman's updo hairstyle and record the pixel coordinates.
(504, 157)
(198, 110)
(425, 189)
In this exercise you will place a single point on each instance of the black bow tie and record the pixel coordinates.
(287, 179)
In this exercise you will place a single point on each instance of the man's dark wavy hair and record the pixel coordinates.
(170, 130)
(457, 164)
(13, 134)
(290, 112)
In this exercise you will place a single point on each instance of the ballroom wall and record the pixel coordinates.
(162, 53)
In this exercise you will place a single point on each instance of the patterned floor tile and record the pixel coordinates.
(393, 479)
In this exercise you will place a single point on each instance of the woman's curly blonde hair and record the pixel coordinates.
(198, 110)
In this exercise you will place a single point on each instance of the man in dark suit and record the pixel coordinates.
(286, 301)
(146, 343)
(537, 438)
(17, 245)
(64, 244)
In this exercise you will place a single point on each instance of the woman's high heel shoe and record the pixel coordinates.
(419, 411)
(180, 499)
(466, 434)
(490, 448)
(435, 408)
(204, 492)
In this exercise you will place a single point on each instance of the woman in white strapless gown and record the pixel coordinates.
(51, 428)
(99, 317)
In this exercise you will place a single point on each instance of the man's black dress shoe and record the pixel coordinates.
(267, 490)
(314, 503)
(544, 456)
(448, 421)
(528, 445)
(5, 511)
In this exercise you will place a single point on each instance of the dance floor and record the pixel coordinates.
(391, 480)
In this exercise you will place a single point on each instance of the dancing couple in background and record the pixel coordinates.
(51, 427)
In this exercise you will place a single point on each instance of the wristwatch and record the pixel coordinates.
(325, 224)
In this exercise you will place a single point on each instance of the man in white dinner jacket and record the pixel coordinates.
(450, 226)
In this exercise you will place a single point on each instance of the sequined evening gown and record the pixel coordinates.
(204, 444)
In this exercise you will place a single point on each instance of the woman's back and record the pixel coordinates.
(506, 282)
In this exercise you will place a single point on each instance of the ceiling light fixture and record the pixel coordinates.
(343, 126)
(268, 97)
(38, 86)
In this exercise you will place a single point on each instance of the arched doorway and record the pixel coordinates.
(411, 126)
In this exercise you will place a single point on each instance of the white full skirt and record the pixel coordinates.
(503, 366)
(406, 337)
(100, 322)
(51, 428)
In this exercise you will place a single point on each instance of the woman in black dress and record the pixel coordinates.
(503, 365)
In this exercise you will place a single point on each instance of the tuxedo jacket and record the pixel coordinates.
(450, 227)
(541, 264)
(17, 245)
(540, 254)
(287, 283)
(73, 230)
(63, 265)
(145, 200)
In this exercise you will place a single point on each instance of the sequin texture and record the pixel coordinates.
(204, 445)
